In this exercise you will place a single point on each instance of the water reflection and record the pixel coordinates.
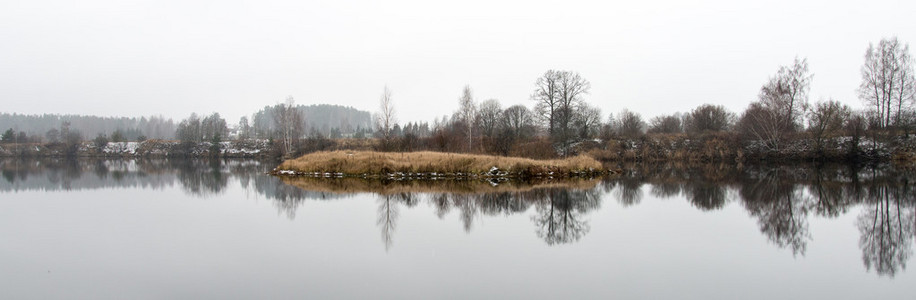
(560, 214)
(559, 219)
(782, 200)
(387, 218)
(780, 208)
(887, 225)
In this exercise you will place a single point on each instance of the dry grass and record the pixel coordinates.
(383, 163)
(363, 185)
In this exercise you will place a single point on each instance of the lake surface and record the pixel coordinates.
(125, 229)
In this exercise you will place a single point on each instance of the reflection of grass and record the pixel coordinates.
(363, 163)
(364, 185)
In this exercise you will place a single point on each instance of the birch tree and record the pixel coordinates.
(888, 82)
(467, 112)
(288, 122)
(386, 119)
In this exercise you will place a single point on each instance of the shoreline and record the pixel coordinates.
(144, 149)
(434, 166)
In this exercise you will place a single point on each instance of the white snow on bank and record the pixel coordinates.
(121, 148)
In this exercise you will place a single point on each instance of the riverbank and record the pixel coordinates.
(144, 149)
(434, 165)
(728, 148)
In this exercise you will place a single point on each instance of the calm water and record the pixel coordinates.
(223, 229)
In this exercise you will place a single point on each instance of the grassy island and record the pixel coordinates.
(433, 165)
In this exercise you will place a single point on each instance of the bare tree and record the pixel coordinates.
(546, 96)
(213, 128)
(558, 97)
(762, 124)
(244, 128)
(571, 89)
(825, 120)
(588, 121)
(188, 130)
(781, 106)
(386, 118)
(467, 113)
(888, 82)
(708, 118)
(787, 94)
(488, 117)
(519, 121)
(629, 124)
(666, 124)
(288, 122)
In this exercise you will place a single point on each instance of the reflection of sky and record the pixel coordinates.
(244, 242)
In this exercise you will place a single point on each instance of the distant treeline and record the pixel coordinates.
(332, 121)
(328, 120)
(47, 127)
(780, 124)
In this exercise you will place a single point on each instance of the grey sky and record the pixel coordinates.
(172, 58)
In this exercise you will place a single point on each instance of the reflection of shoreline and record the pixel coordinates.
(559, 211)
(194, 176)
(476, 186)
(781, 199)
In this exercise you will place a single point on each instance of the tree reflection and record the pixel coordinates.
(388, 212)
(201, 179)
(780, 209)
(832, 193)
(629, 190)
(781, 199)
(705, 195)
(887, 228)
(559, 218)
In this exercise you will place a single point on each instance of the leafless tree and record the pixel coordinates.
(546, 97)
(588, 121)
(488, 118)
(188, 130)
(213, 128)
(787, 93)
(629, 124)
(386, 118)
(519, 121)
(467, 113)
(571, 89)
(708, 118)
(244, 128)
(557, 95)
(762, 124)
(888, 81)
(607, 131)
(781, 106)
(288, 123)
(825, 120)
(666, 124)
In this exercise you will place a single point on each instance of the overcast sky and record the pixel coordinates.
(133, 58)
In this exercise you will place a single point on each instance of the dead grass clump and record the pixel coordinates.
(384, 163)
